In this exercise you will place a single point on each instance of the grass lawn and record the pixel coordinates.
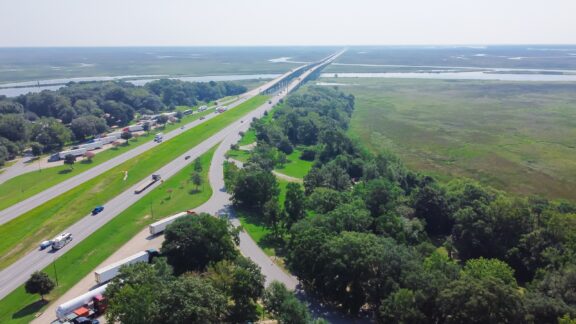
(26, 185)
(239, 155)
(19, 307)
(25, 232)
(515, 136)
(295, 167)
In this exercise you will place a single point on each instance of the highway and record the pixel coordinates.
(24, 206)
(17, 273)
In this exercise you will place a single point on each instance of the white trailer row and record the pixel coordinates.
(91, 146)
(161, 225)
(133, 128)
(77, 302)
(75, 152)
(109, 272)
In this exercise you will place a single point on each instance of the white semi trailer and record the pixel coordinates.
(77, 302)
(160, 225)
(76, 152)
(91, 146)
(109, 272)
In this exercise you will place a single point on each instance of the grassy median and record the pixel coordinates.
(25, 232)
(174, 195)
(27, 185)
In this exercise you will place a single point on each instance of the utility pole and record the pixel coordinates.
(55, 272)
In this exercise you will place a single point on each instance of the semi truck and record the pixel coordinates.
(92, 146)
(61, 240)
(133, 128)
(109, 272)
(161, 225)
(92, 302)
(75, 152)
(148, 183)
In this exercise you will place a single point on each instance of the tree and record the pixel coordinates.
(50, 133)
(284, 306)
(484, 300)
(39, 283)
(146, 127)
(69, 160)
(431, 204)
(89, 155)
(294, 204)
(192, 242)
(196, 179)
(162, 119)
(401, 307)
(3, 154)
(126, 136)
(84, 126)
(254, 187)
(272, 215)
(380, 196)
(36, 148)
(191, 299)
(197, 165)
(13, 127)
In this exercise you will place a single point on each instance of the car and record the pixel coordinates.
(202, 118)
(45, 244)
(182, 127)
(186, 157)
(97, 210)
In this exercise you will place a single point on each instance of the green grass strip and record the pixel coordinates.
(27, 185)
(20, 307)
(24, 233)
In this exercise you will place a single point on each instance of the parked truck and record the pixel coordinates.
(160, 225)
(74, 152)
(92, 146)
(148, 183)
(61, 240)
(90, 304)
(109, 272)
(133, 128)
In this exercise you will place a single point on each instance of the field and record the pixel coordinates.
(506, 57)
(19, 307)
(519, 137)
(25, 232)
(32, 64)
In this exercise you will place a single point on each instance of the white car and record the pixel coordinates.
(45, 244)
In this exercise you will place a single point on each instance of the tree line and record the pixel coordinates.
(48, 120)
(367, 235)
(200, 278)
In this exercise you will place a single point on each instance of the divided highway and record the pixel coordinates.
(24, 206)
(19, 272)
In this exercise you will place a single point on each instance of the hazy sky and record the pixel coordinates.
(289, 22)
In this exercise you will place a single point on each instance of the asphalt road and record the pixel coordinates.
(17, 273)
(24, 206)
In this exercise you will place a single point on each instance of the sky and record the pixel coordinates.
(291, 22)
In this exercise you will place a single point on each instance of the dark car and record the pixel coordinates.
(97, 210)
(186, 157)
(202, 118)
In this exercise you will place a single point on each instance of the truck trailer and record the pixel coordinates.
(97, 144)
(160, 225)
(75, 152)
(109, 272)
(93, 297)
(148, 183)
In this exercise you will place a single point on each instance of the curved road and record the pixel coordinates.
(24, 206)
(17, 273)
